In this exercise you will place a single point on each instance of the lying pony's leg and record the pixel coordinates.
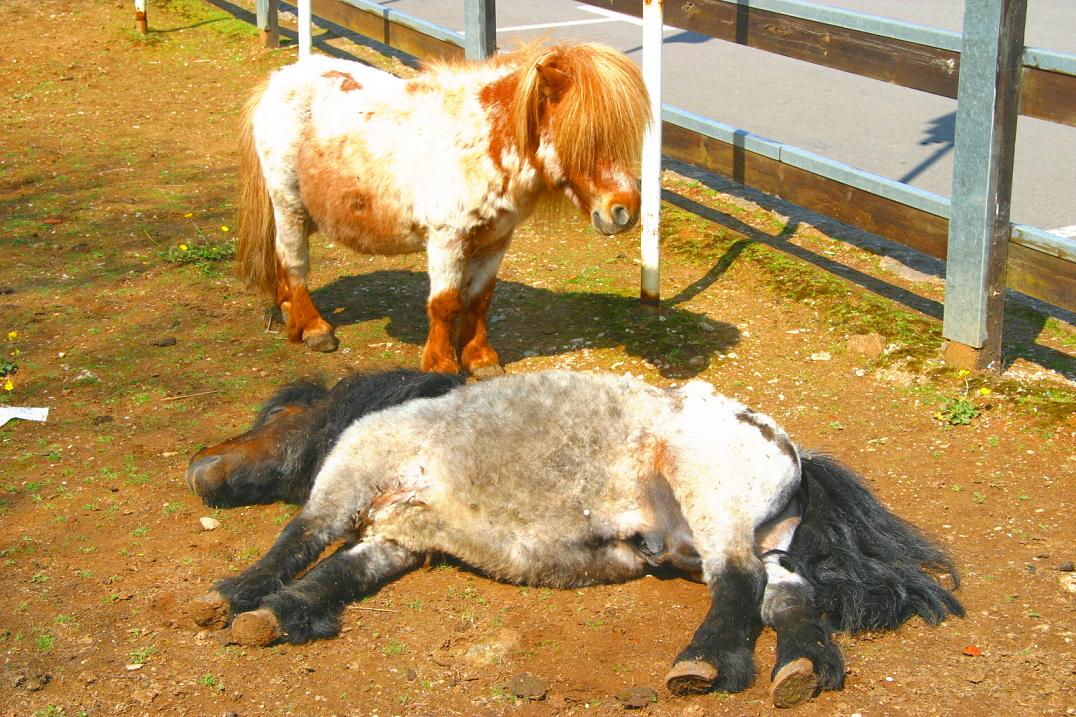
(807, 658)
(310, 608)
(720, 654)
(297, 547)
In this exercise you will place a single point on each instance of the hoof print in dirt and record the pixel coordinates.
(210, 611)
(634, 698)
(691, 677)
(794, 684)
(256, 628)
(527, 687)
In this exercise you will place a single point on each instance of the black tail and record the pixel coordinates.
(870, 569)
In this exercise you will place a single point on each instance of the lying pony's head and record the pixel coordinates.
(279, 456)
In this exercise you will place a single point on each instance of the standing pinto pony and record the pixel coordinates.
(450, 161)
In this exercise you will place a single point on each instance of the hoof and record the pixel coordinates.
(210, 611)
(691, 677)
(257, 628)
(794, 684)
(481, 373)
(324, 341)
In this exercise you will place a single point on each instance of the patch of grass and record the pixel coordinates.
(141, 655)
(202, 253)
(957, 411)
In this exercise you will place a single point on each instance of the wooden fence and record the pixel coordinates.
(987, 68)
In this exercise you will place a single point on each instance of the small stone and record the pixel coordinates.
(134, 666)
(821, 356)
(164, 341)
(4, 290)
(527, 686)
(209, 523)
(870, 345)
(634, 698)
(412, 674)
(1065, 567)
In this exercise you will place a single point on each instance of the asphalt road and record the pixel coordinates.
(892, 131)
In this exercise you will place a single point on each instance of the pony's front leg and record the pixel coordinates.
(445, 265)
(310, 608)
(298, 546)
(720, 654)
(303, 320)
(476, 355)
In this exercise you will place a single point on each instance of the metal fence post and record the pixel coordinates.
(479, 29)
(305, 31)
(650, 291)
(268, 22)
(141, 22)
(987, 104)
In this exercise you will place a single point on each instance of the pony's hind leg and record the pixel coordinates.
(477, 356)
(807, 658)
(310, 608)
(303, 320)
(720, 655)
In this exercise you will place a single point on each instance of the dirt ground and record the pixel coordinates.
(117, 149)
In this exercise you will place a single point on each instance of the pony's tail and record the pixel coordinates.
(256, 228)
(870, 569)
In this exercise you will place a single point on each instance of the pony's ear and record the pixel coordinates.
(553, 83)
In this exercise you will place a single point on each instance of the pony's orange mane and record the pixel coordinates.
(601, 114)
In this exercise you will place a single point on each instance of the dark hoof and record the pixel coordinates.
(324, 341)
(257, 628)
(210, 611)
(691, 677)
(481, 373)
(794, 684)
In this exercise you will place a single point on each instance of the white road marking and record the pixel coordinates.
(566, 23)
(1068, 232)
(618, 16)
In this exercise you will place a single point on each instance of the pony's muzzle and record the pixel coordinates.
(618, 218)
(204, 474)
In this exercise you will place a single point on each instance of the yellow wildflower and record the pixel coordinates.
(188, 215)
(984, 391)
(963, 372)
(183, 247)
(224, 228)
(9, 386)
(12, 335)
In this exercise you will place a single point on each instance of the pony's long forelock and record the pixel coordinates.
(602, 114)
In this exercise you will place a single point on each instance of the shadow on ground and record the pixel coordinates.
(529, 321)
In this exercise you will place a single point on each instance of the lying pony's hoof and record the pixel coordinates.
(210, 611)
(691, 677)
(257, 628)
(794, 683)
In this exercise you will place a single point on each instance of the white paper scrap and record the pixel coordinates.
(26, 414)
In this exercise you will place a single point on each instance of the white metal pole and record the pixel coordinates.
(305, 36)
(650, 292)
(141, 24)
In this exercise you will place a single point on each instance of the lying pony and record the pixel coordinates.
(568, 479)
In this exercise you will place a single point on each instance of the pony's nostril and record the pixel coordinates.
(596, 217)
(621, 215)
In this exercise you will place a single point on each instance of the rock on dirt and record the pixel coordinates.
(634, 698)
(209, 523)
(164, 341)
(527, 687)
(870, 345)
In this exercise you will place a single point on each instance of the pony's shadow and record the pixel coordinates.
(529, 321)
